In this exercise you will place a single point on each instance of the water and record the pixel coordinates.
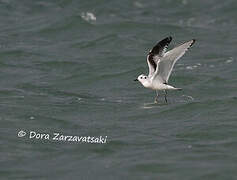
(68, 67)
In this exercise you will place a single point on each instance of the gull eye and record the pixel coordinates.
(145, 77)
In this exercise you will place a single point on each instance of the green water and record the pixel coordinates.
(68, 67)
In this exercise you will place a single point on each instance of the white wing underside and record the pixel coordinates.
(151, 68)
(166, 63)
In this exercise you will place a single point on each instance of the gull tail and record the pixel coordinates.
(172, 88)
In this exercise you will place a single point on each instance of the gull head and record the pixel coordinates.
(144, 80)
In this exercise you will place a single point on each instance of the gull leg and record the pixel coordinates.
(156, 98)
(165, 96)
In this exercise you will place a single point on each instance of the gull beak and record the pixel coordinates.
(135, 79)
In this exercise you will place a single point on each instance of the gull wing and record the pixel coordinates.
(166, 63)
(156, 53)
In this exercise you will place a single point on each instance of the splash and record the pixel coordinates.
(188, 97)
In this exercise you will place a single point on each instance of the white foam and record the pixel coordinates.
(230, 60)
(88, 16)
(191, 67)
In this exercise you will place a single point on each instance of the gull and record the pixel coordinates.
(160, 64)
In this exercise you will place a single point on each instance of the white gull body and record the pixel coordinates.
(161, 64)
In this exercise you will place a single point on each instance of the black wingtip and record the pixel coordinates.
(194, 40)
(159, 47)
(169, 39)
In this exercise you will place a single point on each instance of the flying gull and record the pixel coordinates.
(161, 64)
